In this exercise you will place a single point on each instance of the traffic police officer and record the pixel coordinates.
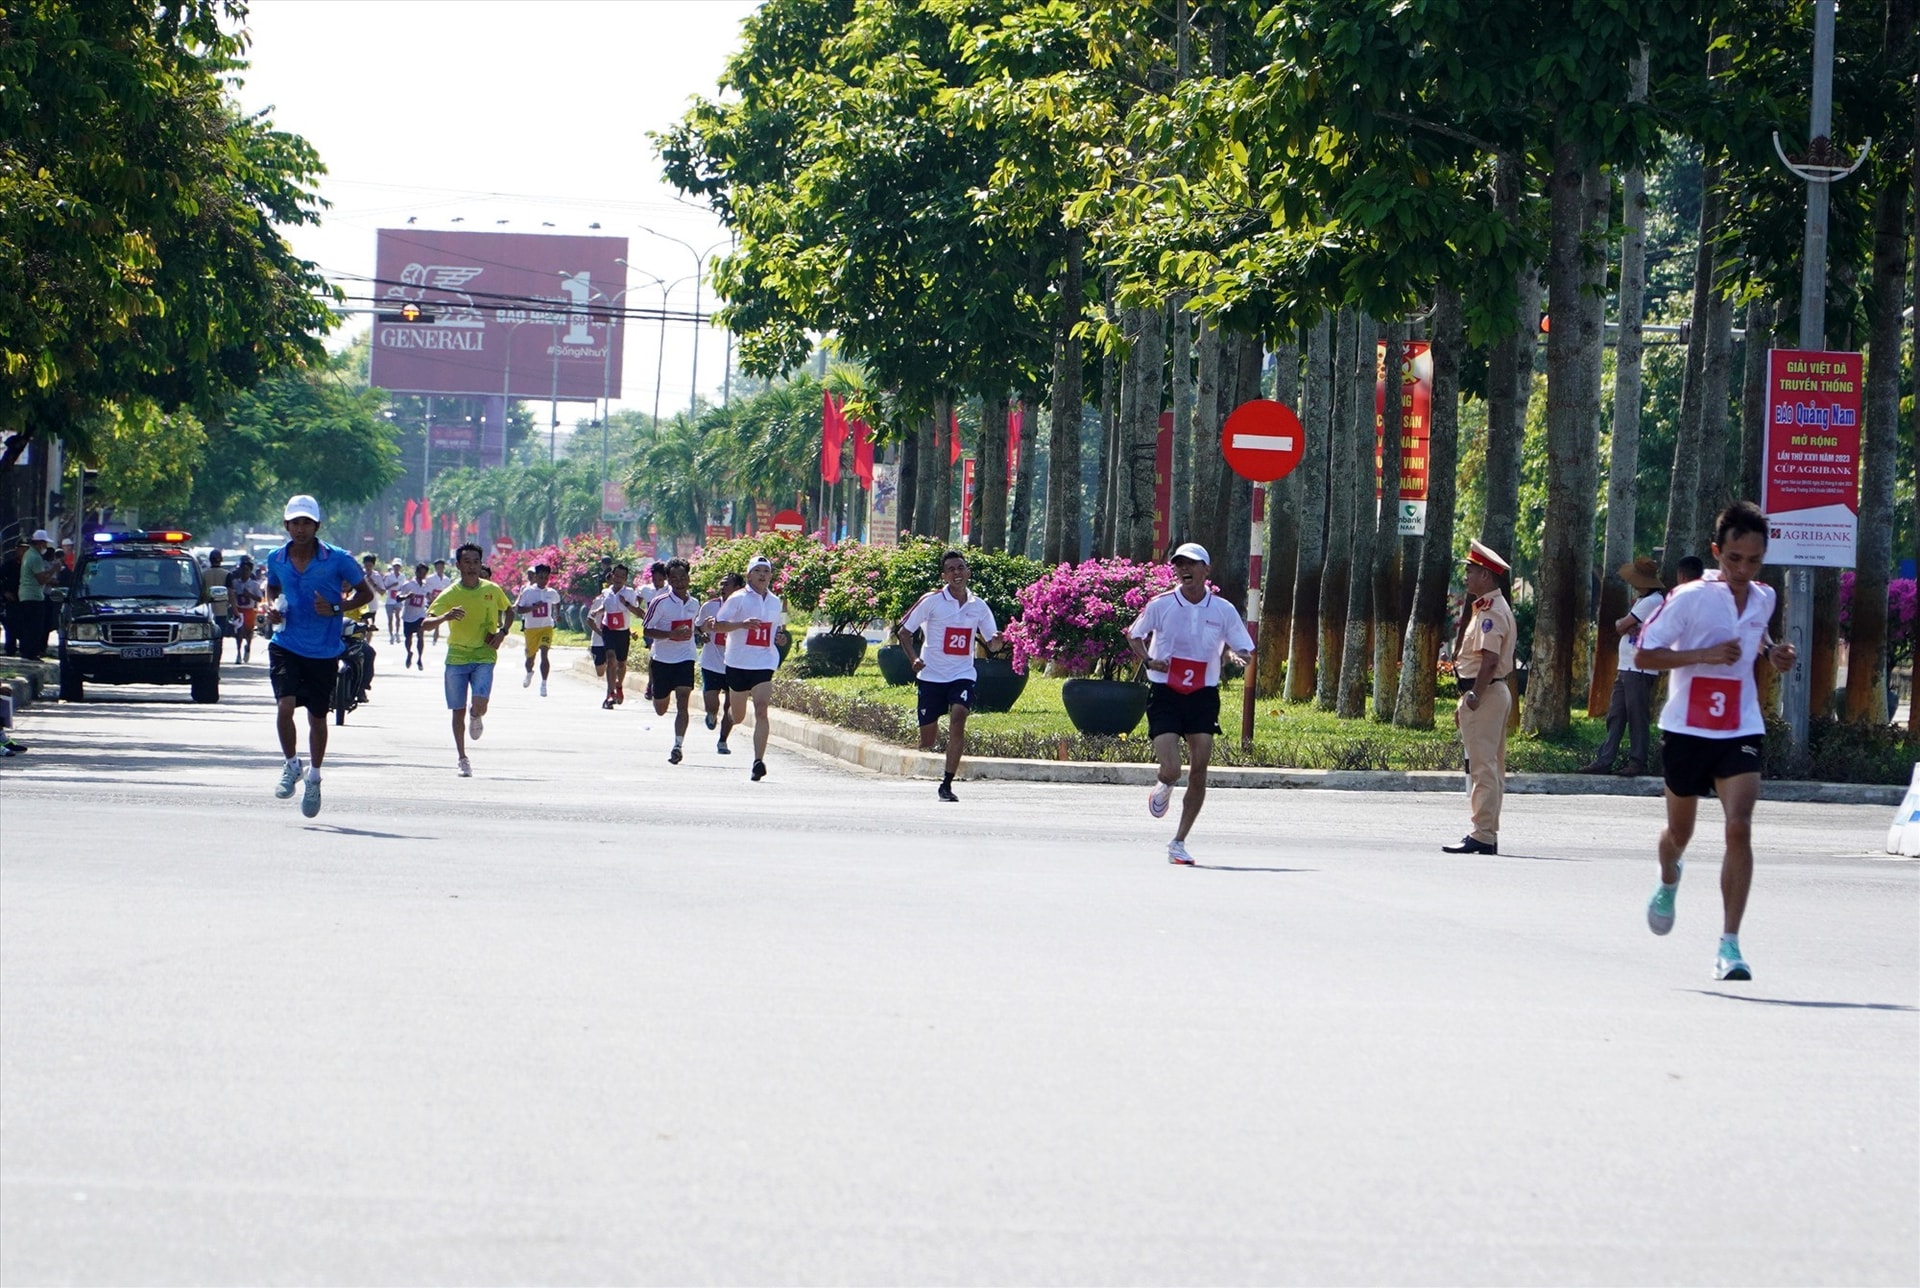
(1483, 663)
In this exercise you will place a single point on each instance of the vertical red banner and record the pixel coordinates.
(966, 499)
(1016, 417)
(1163, 487)
(1416, 430)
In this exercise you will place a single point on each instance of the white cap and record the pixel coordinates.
(760, 561)
(40, 534)
(302, 507)
(66, 541)
(1192, 550)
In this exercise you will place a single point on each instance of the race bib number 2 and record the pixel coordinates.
(1184, 675)
(1713, 703)
(958, 641)
(760, 636)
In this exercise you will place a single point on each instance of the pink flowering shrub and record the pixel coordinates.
(1077, 615)
(575, 562)
(1900, 611)
(856, 593)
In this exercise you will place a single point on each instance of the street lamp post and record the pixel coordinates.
(699, 268)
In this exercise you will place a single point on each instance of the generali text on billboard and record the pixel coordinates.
(519, 314)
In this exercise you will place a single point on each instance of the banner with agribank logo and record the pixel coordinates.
(519, 315)
(1810, 459)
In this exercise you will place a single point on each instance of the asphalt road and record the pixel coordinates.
(587, 1017)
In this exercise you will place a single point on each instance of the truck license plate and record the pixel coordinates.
(143, 650)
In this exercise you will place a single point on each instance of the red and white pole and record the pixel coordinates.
(1256, 564)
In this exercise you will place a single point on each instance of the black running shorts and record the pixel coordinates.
(1692, 764)
(307, 680)
(617, 643)
(739, 681)
(939, 697)
(665, 677)
(1183, 713)
(712, 681)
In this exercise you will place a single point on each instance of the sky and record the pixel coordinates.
(531, 112)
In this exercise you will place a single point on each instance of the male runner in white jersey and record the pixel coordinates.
(1181, 636)
(1709, 634)
(655, 586)
(750, 618)
(534, 606)
(436, 581)
(671, 651)
(414, 598)
(613, 614)
(390, 587)
(950, 620)
(713, 663)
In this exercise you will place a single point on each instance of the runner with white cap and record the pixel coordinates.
(1181, 637)
(949, 620)
(750, 617)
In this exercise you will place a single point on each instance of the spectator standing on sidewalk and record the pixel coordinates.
(212, 576)
(1631, 707)
(37, 572)
(10, 615)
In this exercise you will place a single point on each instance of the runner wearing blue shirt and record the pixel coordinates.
(311, 587)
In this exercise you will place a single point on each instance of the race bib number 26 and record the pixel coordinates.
(1713, 703)
(958, 641)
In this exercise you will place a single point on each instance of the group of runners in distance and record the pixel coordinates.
(1709, 634)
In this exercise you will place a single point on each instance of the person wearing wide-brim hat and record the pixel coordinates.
(1483, 663)
(1630, 710)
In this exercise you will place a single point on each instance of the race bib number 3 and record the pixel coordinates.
(760, 636)
(958, 641)
(1713, 703)
(1184, 675)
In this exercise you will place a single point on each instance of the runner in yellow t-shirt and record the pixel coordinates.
(478, 614)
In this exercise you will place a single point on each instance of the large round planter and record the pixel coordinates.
(835, 654)
(999, 685)
(1109, 707)
(893, 664)
(783, 640)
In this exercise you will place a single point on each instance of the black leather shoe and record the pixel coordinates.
(1632, 769)
(1594, 767)
(1470, 846)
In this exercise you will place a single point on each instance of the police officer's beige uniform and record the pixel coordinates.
(1483, 722)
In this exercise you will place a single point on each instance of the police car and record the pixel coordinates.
(137, 613)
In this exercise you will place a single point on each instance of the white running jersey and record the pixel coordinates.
(714, 656)
(753, 649)
(615, 610)
(950, 628)
(414, 598)
(1188, 637)
(1712, 701)
(667, 612)
(535, 606)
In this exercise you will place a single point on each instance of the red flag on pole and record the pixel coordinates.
(863, 453)
(953, 437)
(1016, 414)
(406, 520)
(424, 520)
(833, 434)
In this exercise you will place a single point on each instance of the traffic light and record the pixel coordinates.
(409, 312)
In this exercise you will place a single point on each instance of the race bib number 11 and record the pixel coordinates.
(760, 636)
(1713, 703)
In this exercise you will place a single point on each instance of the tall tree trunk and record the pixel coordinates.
(1061, 541)
(1823, 669)
(1354, 655)
(926, 475)
(1140, 418)
(1509, 384)
(1107, 517)
(1913, 337)
(1211, 501)
(1020, 521)
(1753, 396)
(1316, 415)
(1623, 458)
(1387, 610)
(1229, 545)
(1427, 621)
(941, 476)
(1283, 536)
(1689, 445)
(1879, 447)
(1716, 385)
(1180, 484)
(990, 472)
(1338, 570)
(1572, 417)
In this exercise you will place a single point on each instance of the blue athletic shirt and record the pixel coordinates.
(302, 630)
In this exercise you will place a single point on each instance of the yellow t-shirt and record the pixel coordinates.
(467, 637)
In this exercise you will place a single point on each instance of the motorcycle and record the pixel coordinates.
(350, 684)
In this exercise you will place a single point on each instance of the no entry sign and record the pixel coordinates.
(789, 521)
(1262, 440)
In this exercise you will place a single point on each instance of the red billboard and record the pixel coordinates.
(516, 314)
(1810, 457)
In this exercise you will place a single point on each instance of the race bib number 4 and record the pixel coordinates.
(760, 636)
(679, 624)
(1713, 703)
(615, 621)
(1184, 675)
(957, 641)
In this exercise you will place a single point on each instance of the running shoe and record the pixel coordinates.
(1157, 799)
(1660, 907)
(607, 704)
(543, 688)
(310, 798)
(946, 792)
(619, 694)
(289, 778)
(6, 752)
(528, 682)
(465, 768)
(723, 749)
(673, 757)
(16, 748)
(475, 727)
(713, 721)
(759, 770)
(1177, 853)
(1728, 964)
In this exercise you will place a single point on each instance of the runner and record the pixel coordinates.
(669, 630)
(1712, 735)
(655, 587)
(751, 616)
(480, 617)
(414, 598)
(613, 614)
(535, 606)
(390, 586)
(950, 620)
(436, 582)
(1180, 636)
(243, 594)
(215, 574)
(713, 663)
(313, 586)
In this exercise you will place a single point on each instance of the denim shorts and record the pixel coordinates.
(467, 677)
